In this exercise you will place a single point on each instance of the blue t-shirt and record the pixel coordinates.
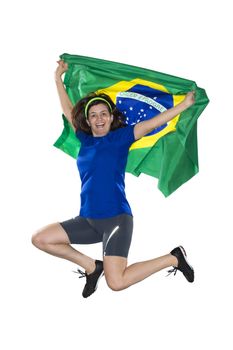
(101, 163)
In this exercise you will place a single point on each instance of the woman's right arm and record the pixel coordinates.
(66, 104)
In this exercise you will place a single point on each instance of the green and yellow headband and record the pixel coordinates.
(96, 99)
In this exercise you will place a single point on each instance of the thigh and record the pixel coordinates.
(118, 235)
(80, 231)
(51, 234)
(114, 266)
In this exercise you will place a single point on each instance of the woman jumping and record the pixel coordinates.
(105, 214)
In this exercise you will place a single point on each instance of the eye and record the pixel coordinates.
(92, 115)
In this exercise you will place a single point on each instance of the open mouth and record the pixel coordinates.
(100, 126)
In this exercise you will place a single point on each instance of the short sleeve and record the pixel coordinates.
(81, 135)
(125, 135)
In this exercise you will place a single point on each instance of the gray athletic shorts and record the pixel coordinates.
(115, 233)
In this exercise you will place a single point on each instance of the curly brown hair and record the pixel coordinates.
(78, 113)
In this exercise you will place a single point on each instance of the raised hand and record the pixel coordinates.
(189, 99)
(61, 68)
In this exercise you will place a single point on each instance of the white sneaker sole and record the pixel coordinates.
(101, 275)
(185, 256)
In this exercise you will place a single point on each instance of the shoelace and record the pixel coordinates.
(83, 274)
(171, 271)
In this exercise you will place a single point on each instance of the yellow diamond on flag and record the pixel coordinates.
(143, 96)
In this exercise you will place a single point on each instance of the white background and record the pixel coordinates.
(42, 306)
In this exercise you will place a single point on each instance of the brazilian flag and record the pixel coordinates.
(169, 152)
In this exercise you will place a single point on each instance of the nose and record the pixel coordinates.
(99, 117)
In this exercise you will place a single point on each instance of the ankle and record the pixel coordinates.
(174, 261)
(91, 267)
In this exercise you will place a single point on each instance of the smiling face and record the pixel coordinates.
(99, 119)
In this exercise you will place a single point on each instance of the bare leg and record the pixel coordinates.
(119, 276)
(53, 240)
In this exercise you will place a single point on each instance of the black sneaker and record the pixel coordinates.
(183, 264)
(92, 279)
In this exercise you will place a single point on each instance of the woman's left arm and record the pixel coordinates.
(143, 128)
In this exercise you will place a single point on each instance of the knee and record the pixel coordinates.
(115, 283)
(38, 240)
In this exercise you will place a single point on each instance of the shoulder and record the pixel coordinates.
(125, 134)
(81, 135)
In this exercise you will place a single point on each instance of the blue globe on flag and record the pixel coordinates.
(142, 103)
